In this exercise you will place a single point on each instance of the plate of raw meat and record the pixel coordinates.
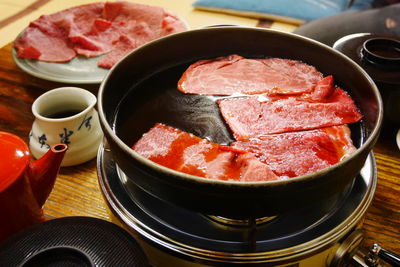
(80, 44)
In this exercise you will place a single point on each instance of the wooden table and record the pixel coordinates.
(76, 192)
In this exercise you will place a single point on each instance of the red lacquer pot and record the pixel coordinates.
(24, 184)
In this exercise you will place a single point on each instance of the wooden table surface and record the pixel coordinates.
(76, 192)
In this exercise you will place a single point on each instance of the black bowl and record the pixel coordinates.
(366, 50)
(167, 58)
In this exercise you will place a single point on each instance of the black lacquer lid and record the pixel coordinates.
(378, 55)
(72, 241)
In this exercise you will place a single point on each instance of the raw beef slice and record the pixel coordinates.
(299, 153)
(54, 47)
(95, 29)
(70, 26)
(235, 74)
(189, 154)
(255, 116)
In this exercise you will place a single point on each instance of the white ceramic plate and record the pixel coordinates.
(79, 70)
(398, 138)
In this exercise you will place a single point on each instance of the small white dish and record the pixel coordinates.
(66, 115)
(398, 138)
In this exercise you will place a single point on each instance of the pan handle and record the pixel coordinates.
(376, 252)
(350, 253)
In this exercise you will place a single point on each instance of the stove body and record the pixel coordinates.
(317, 235)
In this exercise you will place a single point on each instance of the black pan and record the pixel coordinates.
(141, 90)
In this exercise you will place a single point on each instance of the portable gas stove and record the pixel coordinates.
(315, 235)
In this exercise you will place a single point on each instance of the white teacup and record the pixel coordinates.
(66, 115)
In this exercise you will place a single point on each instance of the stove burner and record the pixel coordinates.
(241, 223)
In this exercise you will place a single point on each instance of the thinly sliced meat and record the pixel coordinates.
(136, 32)
(53, 35)
(323, 89)
(235, 74)
(79, 24)
(75, 20)
(124, 45)
(254, 116)
(252, 169)
(99, 40)
(125, 11)
(299, 153)
(133, 35)
(189, 154)
(96, 29)
(171, 24)
(290, 76)
(34, 44)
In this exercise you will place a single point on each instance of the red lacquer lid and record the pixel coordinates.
(14, 158)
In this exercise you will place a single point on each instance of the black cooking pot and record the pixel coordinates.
(141, 90)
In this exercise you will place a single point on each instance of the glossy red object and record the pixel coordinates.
(184, 152)
(24, 184)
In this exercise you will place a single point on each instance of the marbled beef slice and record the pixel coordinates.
(235, 74)
(254, 116)
(299, 153)
(190, 154)
(34, 44)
